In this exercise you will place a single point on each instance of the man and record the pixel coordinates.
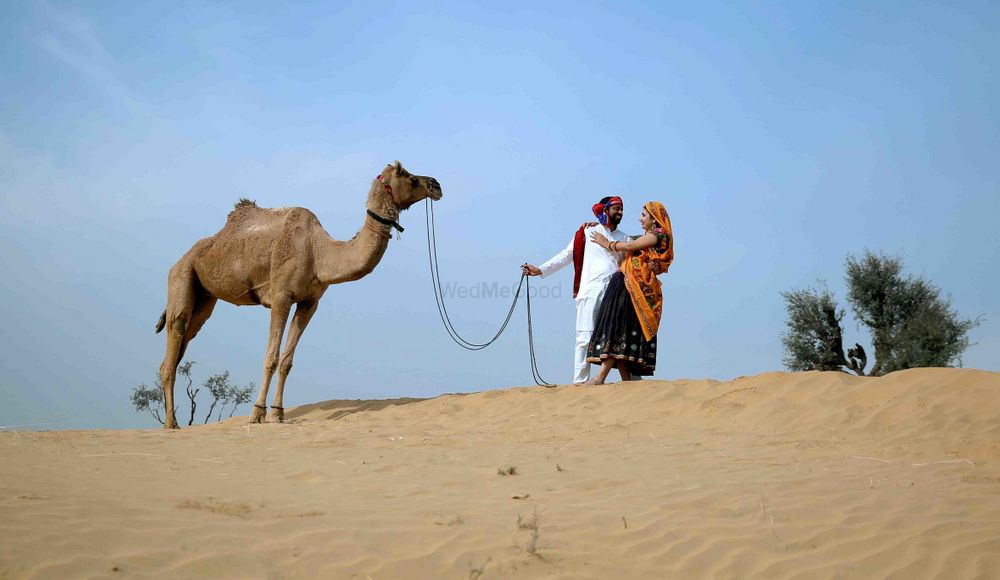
(594, 266)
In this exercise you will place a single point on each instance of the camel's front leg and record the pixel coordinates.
(279, 317)
(303, 313)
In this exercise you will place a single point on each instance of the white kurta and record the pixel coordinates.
(598, 266)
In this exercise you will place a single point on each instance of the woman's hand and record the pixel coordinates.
(599, 239)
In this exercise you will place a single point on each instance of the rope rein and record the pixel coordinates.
(453, 333)
(531, 339)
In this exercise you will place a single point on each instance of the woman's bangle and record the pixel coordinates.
(613, 246)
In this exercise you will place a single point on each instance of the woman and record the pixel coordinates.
(629, 316)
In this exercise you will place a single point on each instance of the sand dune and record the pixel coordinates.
(780, 475)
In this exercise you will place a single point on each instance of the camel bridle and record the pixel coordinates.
(384, 220)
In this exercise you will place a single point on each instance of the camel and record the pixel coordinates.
(276, 258)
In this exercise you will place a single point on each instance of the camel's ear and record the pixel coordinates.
(399, 168)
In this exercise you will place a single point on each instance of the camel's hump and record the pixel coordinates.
(246, 211)
(248, 205)
(243, 203)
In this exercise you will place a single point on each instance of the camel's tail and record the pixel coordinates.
(161, 322)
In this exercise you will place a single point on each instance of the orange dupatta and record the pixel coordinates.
(642, 268)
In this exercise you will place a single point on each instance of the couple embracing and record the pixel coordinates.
(618, 295)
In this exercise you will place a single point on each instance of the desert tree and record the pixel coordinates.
(239, 396)
(219, 388)
(147, 399)
(814, 337)
(223, 392)
(911, 323)
(192, 392)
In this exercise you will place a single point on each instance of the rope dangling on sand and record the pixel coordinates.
(443, 309)
(531, 338)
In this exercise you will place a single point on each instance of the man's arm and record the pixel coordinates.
(558, 262)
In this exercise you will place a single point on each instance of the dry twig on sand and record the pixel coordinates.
(870, 459)
(531, 525)
(507, 470)
(124, 453)
(476, 573)
(944, 461)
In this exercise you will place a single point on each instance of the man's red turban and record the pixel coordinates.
(601, 207)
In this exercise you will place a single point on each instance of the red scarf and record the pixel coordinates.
(579, 244)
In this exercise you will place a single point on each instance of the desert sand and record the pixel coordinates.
(780, 475)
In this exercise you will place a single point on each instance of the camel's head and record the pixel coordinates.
(408, 189)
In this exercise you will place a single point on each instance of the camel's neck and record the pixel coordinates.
(339, 261)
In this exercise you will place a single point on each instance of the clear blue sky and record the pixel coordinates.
(780, 136)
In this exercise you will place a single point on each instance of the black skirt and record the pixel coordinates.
(618, 334)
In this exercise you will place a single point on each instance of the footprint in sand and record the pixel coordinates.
(309, 476)
(215, 506)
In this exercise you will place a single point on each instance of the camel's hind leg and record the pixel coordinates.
(180, 307)
(168, 372)
(303, 313)
(204, 305)
(188, 307)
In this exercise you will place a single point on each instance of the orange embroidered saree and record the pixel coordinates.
(642, 268)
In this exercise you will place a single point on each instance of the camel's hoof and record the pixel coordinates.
(257, 415)
(276, 416)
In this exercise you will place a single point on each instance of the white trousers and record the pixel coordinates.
(586, 318)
